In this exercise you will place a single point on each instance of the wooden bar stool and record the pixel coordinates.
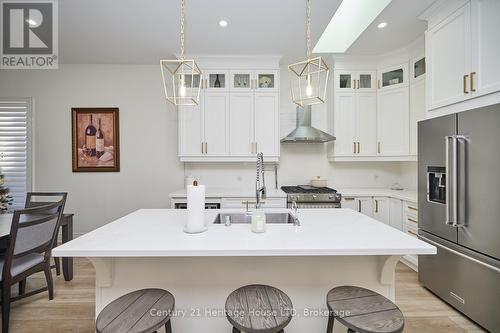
(258, 309)
(363, 311)
(141, 311)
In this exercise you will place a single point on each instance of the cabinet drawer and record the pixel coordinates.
(411, 209)
(242, 203)
(411, 229)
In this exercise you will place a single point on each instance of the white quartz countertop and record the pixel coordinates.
(220, 192)
(323, 232)
(407, 195)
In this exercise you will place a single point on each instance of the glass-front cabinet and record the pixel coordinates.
(215, 80)
(345, 80)
(392, 77)
(417, 68)
(247, 80)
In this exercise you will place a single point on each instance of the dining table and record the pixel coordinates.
(66, 236)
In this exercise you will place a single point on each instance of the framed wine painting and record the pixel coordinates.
(95, 138)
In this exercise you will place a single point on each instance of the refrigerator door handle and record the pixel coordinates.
(451, 187)
(459, 253)
(460, 191)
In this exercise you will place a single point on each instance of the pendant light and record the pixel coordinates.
(309, 78)
(181, 77)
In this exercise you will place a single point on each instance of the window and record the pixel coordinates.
(15, 147)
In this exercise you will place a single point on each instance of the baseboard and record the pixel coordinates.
(409, 264)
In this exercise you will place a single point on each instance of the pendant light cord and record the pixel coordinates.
(308, 32)
(182, 28)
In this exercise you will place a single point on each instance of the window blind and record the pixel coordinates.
(15, 139)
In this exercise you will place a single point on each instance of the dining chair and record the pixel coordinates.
(29, 246)
(34, 199)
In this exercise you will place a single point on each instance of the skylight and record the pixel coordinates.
(349, 21)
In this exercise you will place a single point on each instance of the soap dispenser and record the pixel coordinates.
(258, 221)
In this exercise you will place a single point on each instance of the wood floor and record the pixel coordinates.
(72, 310)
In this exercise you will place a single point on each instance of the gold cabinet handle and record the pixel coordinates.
(465, 83)
(411, 220)
(353, 84)
(206, 147)
(359, 206)
(378, 147)
(354, 147)
(376, 206)
(202, 148)
(359, 145)
(412, 208)
(358, 84)
(472, 81)
(348, 199)
(412, 232)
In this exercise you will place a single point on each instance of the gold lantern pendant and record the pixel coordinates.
(309, 78)
(181, 77)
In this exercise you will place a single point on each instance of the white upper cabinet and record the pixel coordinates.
(241, 80)
(393, 77)
(462, 52)
(345, 126)
(191, 137)
(417, 111)
(366, 120)
(266, 80)
(241, 124)
(485, 28)
(346, 80)
(448, 55)
(238, 114)
(266, 124)
(216, 80)
(216, 120)
(393, 122)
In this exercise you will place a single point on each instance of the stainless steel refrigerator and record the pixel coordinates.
(459, 211)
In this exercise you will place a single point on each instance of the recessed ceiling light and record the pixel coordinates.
(223, 23)
(382, 25)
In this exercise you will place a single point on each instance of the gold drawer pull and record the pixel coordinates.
(354, 147)
(412, 220)
(412, 232)
(465, 83)
(348, 199)
(412, 208)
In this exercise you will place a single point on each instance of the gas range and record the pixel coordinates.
(307, 196)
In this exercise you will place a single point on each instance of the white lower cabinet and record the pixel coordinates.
(399, 214)
(396, 213)
(381, 209)
(363, 205)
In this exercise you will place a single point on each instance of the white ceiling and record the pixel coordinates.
(144, 31)
(402, 28)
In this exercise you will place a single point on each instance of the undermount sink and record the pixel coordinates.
(241, 218)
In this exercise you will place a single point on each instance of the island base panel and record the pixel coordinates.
(201, 284)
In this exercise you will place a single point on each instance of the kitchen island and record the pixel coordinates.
(331, 247)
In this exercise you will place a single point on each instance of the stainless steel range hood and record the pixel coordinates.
(304, 132)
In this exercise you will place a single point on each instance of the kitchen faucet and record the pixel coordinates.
(260, 184)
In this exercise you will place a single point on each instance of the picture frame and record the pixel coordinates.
(95, 139)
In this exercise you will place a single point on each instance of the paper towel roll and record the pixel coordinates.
(195, 209)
